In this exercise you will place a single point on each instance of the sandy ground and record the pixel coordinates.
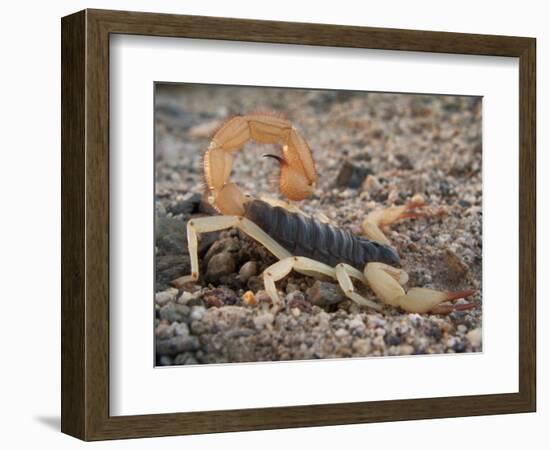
(372, 150)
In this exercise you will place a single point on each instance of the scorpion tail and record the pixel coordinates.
(297, 170)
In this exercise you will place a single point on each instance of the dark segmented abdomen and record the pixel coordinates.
(305, 236)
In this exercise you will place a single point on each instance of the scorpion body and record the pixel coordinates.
(299, 242)
(305, 236)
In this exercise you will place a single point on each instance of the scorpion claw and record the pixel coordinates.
(377, 220)
(413, 214)
(447, 309)
(423, 300)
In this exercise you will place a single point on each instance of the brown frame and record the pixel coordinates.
(85, 224)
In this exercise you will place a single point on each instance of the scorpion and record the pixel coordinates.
(306, 244)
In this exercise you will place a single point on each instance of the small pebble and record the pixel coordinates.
(362, 347)
(185, 297)
(176, 344)
(457, 268)
(163, 331)
(378, 342)
(263, 320)
(351, 175)
(249, 269)
(162, 298)
(474, 337)
(323, 293)
(371, 184)
(377, 321)
(249, 299)
(197, 312)
(180, 329)
(173, 312)
(219, 265)
(341, 333)
(406, 349)
(357, 324)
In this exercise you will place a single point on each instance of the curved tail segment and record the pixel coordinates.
(297, 169)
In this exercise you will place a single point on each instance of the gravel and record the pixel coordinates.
(372, 151)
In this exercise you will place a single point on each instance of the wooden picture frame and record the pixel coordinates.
(85, 224)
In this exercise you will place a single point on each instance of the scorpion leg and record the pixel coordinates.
(282, 268)
(344, 272)
(255, 232)
(217, 223)
(386, 282)
(194, 227)
(377, 220)
(274, 273)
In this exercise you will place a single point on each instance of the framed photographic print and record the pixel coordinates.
(270, 224)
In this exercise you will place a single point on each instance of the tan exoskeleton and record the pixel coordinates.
(307, 245)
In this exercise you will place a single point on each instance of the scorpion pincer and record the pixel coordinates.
(308, 245)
